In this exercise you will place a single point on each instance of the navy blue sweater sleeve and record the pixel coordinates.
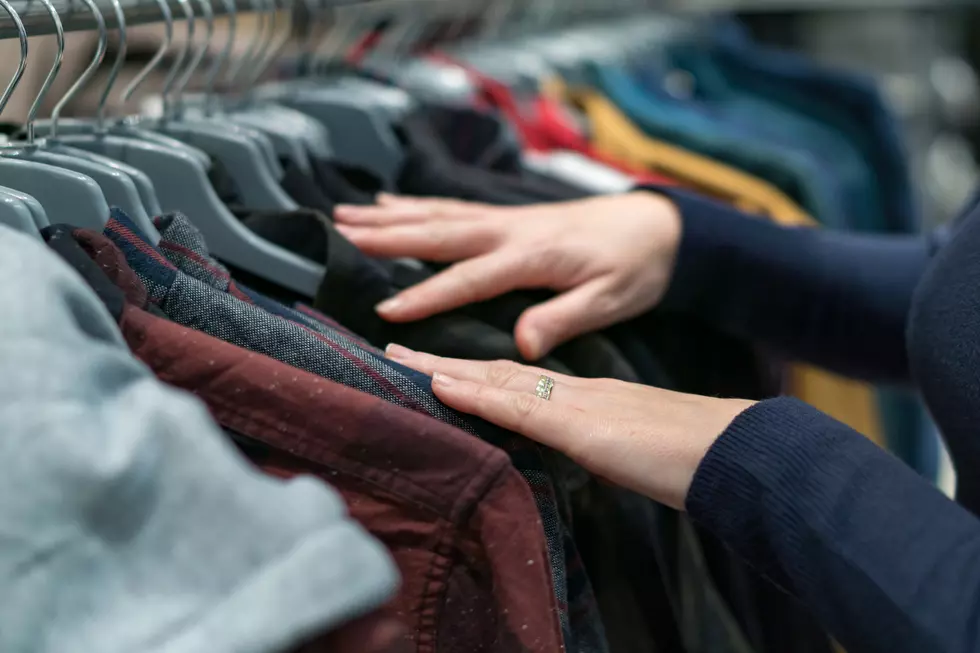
(837, 300)
(883, 559)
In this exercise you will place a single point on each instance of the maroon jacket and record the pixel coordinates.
(459, 520)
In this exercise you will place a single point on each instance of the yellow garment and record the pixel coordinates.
(614, 135)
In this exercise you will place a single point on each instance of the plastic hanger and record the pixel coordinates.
(117, 187)
(82, 133)
(66, 196)
(286, 129)
(182, 183)
(144, 187)
(361, 129)
(37, 211)
(232, 145)
(16, 214)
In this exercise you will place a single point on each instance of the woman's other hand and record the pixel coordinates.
(608, 258)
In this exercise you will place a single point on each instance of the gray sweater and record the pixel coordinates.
(127, 521)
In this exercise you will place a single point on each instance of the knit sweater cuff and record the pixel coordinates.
(767, 480)
(711, 231)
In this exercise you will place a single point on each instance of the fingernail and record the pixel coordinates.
(441, 379)
(397, 351)
(389, 305)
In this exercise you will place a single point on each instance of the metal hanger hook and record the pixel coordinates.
(22, 65)
(152, 64)
(59, 31)
(273, 49)
(117, 65)
(198, 57)
(89, 71)
(185, 50)
(211, 77)
(246, 60)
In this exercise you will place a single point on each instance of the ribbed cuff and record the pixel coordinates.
(777, 468)
(711, 231)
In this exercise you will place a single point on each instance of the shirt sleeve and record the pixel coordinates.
(884, 560)
(837, 300)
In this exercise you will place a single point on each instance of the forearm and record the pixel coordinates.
(836, 300)
(884, 560)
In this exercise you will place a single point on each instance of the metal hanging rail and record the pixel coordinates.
(77, 17)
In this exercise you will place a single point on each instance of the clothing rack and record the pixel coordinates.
(76, 17)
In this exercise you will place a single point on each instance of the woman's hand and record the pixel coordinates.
(647, 440)
(609, 258)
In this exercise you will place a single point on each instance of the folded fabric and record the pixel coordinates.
(129, 522)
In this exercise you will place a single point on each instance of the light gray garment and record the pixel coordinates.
(579, 170)
(128, 523)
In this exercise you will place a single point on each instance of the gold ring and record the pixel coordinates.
(545, 385)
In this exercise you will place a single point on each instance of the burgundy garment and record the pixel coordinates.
(459, 520)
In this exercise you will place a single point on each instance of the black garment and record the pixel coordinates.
(591, 356)
(354, 284)
(430, 169)
(328, 184)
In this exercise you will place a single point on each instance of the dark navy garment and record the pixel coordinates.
(883, 559)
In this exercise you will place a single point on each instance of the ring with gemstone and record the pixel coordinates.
(545, 385)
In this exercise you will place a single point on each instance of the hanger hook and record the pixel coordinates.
(185, 79)
(273, 49)
(332, 44)
(22, 65)
(117, 65)
(264, 39)
(315, 12)
(59, 31)
(168, 39)
(89, 71)
(211, 78)
(168, 83)
(236, 68)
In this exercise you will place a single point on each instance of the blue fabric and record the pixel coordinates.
(850, 103)
(885, 561)
(857, 110)
(793, 170)
(724, 95)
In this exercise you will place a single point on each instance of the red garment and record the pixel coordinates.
(458, 519)
(545, 125)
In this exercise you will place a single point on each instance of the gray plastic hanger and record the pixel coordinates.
(182, 184)
(66, 196)
(144, 187)
(286, 129)
(19, 210)
(234, 146)
(37, 211)
(15, 213)
(359, 123)
(118, 189)
(123, 128)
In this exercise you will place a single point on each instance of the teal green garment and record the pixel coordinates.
(736, 95)
(791, 169)
(850, 103)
